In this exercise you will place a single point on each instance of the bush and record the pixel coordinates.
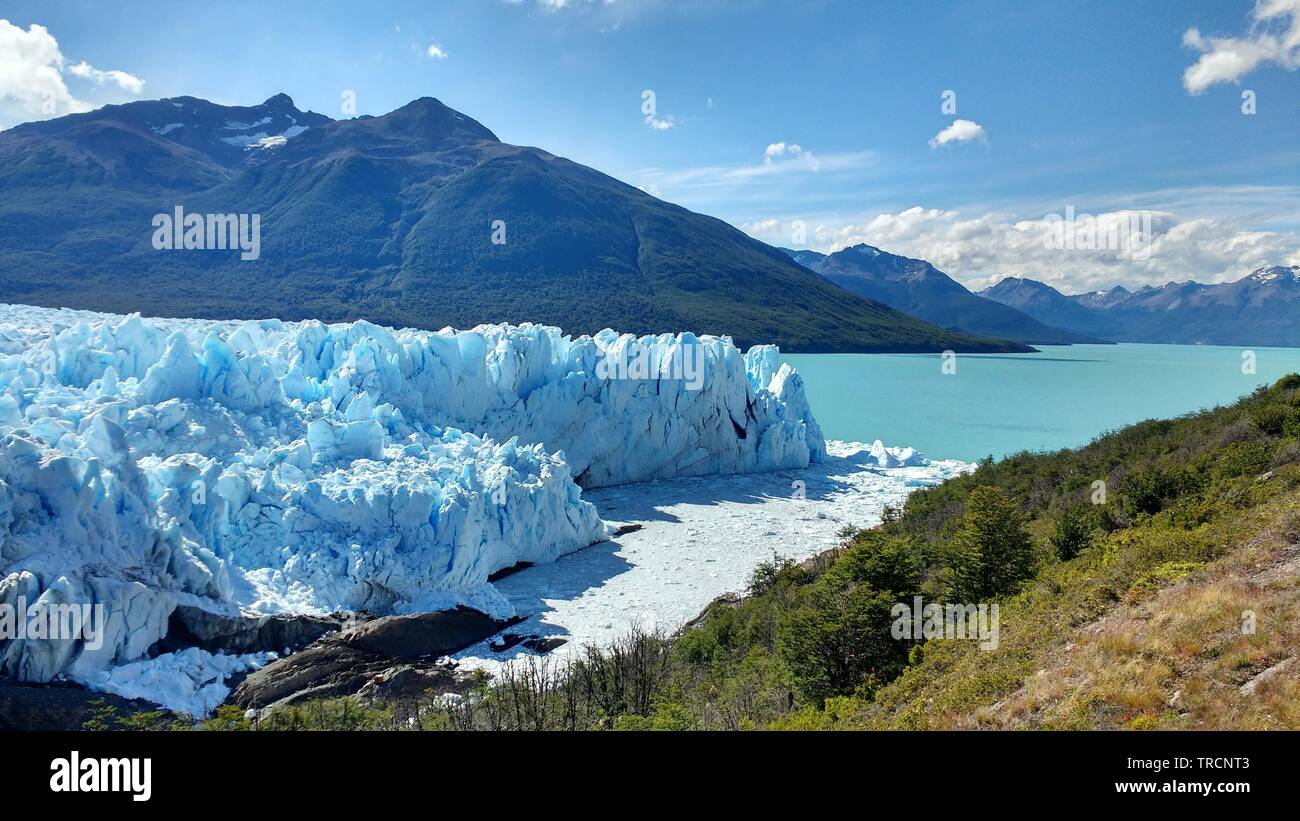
(839, 639)
(228, 717)
(1148, 490)
(1270, 418)
(885, 563)
(768, 574)
(1072, 531)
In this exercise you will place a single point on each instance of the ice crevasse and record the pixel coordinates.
(268, 466)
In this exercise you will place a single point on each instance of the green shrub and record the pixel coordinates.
(838, 639)
(1072, 531)
(991, 554)
(768, 574)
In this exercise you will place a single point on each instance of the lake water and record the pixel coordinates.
(997, 404)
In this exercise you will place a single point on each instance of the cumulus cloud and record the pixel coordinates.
(33, 73)
(959, 132)
(436, 52)
(660, 123)
(980, 250)
(1273, 37)
(127, 82)
(767, 228)
(776, 151)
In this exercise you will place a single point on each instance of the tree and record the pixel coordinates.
(885, 563)
(840, 639)
(991, 554)
(1072, 532)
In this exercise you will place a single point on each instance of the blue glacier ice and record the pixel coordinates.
(267, 466)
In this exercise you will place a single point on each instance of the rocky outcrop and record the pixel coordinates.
(195, 627)
(388, 657)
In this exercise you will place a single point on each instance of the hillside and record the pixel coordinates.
(918, 289)
(421, 217)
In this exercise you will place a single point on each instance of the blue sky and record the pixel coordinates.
(780, 115)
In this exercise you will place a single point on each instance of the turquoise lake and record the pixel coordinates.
(997, 404)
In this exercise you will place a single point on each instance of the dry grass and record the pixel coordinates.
(1180, 658)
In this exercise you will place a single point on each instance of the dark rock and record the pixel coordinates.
(424, 635)
(194, 627)
(410, 680)
(539, 644)
(505, 641)
(330, 669)
(389, 656)
(508, 571)
(54, 707)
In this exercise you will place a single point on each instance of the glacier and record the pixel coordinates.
(296, 467)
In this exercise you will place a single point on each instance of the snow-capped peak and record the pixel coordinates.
(1275, 273)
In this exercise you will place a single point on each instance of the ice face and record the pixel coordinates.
(267, 466)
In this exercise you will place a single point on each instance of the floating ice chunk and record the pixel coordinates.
(890, 457)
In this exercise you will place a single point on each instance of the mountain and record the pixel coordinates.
(1048, 305)
(420, 217)
(918, 289)
(808, 259)
(1262, 308)
(1102, 299)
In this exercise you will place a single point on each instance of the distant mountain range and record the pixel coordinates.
(918, 289)
(421, 217)
(1262, 308)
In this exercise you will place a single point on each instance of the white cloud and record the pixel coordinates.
(32, 76)
(1273, 37)
(776, 151)
(436, 52)
(790, 151)
(980, 250)
(661, 123)
(732, 181)
(959, 132)
(781, 149)
(127, 82)
(763, 229)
